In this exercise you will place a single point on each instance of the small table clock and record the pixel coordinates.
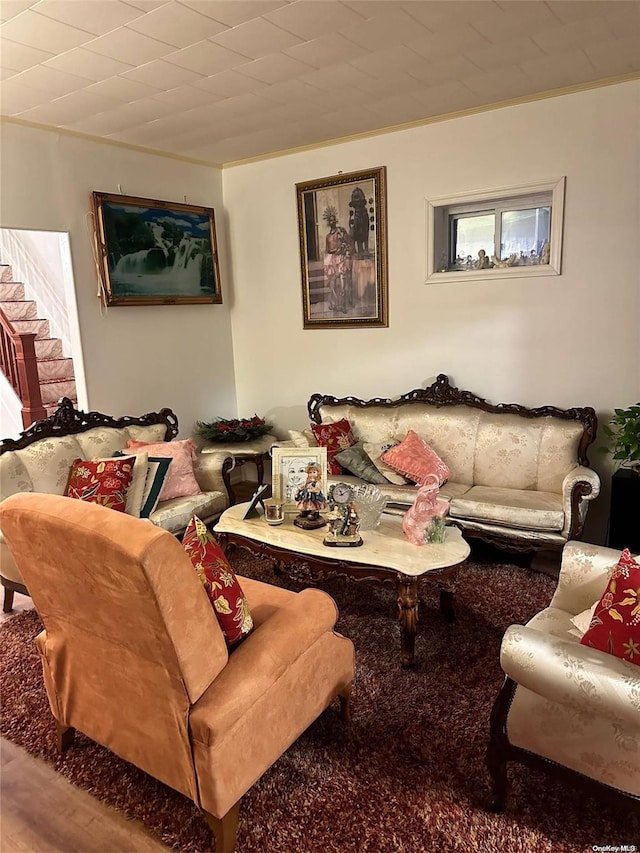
(343, 519)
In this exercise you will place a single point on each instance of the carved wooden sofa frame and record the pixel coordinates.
(441, 393)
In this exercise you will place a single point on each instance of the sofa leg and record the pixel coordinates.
(497, 751)
(225, 829)
(66, 736)
(7, 604)
(345, 702)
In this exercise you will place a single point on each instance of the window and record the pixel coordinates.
(496, 233)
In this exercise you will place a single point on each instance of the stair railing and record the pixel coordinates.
(19, 365)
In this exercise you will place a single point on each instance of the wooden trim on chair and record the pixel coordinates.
(500, 751)
(10, 587)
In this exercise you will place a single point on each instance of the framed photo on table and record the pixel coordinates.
(342, 229)
(155, 252)
(290, 470)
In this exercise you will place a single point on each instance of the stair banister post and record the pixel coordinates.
(30, 393)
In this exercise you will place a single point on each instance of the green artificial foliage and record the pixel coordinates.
(435, 532)
(235, 429)
(623, 430)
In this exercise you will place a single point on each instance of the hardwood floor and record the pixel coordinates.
(44, 813)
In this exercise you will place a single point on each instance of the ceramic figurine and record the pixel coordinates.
(344, 520)
(427, 506)
(310, 500)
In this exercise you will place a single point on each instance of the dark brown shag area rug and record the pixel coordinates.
(407, 775)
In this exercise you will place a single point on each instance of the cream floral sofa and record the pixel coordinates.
(565, 706)
(520, 477)
(40, 461)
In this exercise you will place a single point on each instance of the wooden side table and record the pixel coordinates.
(236, 454)
(624, 516)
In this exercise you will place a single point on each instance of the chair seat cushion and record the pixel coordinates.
(524, 509)
(174, 515)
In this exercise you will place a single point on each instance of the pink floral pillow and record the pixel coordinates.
(181, 481)
(416, 460)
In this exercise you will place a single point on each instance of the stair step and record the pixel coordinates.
(11, 290)
(40, 327)
(6, 272)
(55, 369)
(48, 348)
(23, 309)
(53, 390)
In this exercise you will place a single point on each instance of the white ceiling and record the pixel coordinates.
(226, 80)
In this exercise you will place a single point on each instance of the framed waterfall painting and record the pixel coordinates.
(155, 252)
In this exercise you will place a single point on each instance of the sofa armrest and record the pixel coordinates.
(581, 484)
(571, 674)
(584, 573)
(208, 470)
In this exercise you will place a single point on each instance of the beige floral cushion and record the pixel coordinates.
(174, 515)
(511, 507)
(14, 476)
(48, 462)
(102, 442)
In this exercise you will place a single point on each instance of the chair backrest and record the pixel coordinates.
(130, 638)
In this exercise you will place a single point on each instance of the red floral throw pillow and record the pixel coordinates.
(335, 437)
(225, 593)
(615, 626)
(101, 481)
(414, 458)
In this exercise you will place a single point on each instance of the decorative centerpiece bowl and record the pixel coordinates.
(235, 429)
(371, 504)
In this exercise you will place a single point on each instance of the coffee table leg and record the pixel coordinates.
(408, 612)
(446, 605)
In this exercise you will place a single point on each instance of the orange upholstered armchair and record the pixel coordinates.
(133, 656)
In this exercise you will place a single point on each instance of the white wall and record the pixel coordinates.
(565, 340)
(136, 359)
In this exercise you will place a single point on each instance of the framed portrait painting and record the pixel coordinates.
(155, 252)
(289, 472)
(342, 228)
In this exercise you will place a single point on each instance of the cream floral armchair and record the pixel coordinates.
(564, 706)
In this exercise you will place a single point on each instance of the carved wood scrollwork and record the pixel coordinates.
(67, 420)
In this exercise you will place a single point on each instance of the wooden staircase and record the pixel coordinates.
(54, 372)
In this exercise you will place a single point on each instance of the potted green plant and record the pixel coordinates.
(623, 432)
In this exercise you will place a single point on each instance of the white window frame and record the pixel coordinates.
(439, 210)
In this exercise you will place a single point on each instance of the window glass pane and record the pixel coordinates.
(524, 234)
(470, 235)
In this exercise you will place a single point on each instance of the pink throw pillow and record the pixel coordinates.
(181, 480)
(416, 460)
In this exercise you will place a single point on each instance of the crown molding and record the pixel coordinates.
(498, 105)
(369, 134)
(89, 137)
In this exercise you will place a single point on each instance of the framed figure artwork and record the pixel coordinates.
(342, 229)
(290, 470)
(155, 252)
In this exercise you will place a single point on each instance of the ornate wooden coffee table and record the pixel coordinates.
(386, 556)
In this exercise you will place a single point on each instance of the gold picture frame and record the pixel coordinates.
(155, 252)
(342, 228)
(288, 472)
